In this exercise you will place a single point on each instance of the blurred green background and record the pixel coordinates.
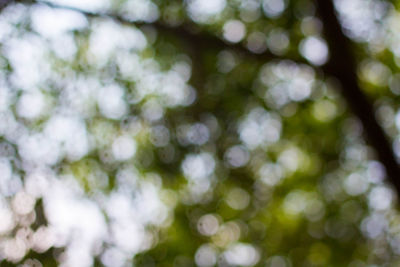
(195, 133)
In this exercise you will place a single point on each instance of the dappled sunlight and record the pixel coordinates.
(260, 128)
(206, 255)
(205, 11)
(52, 23)
(234, 31)
(273, 8)
(201, 132)
(315, 50)
(286, 81)
(142, 10)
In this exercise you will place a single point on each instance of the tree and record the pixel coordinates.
(199, 132)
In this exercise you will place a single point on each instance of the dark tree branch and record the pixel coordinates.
(4, 4)
(185, 31)
(342, 65)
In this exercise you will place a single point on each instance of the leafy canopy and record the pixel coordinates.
(199, 133)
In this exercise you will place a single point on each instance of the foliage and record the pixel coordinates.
(195, 133)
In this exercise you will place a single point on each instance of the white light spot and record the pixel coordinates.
(295, 202)
(31, 105)
(5, 170)
(52, 22)
(375, 172)
(204, 10)
(234, 31)
(237, 156)
(380, 198)
(374, 225)
(300, 89)
(242, 254)
(36, 183)
(142, 10)
(23, 203)
(173, 89)
(271, 174)
(7, 221)
(14, 249)
(206, 256)
(128, 235)
(38, 149)
(74, 220)
(290, 159)
(107, 38)
(208, 225)
(315, 50)
(260, 128)
(198, 166)
(70, 133)
(111, 102)
(198, 134)
(355, 184)
(5, 98)
(152, 110)
(123, 148)
(273, 8)
(113, 257)
(27, 56)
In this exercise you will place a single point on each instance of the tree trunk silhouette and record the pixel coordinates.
(342, 65)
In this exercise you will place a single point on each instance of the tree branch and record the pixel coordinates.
(4, 4)
(186, 31)
(342, 65)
